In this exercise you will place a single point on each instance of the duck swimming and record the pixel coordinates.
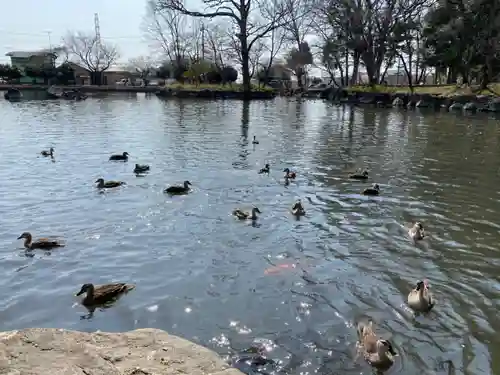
(40, 243)
(255, 141)
(122, 157)
(416, 232)
(289, 173)
(242, 215)
(97, 295)
(420, 298)
(377, 352)
(359, 176)
(178, 189)
(375, 190)
(266, 169)
(298, 209)
(48, 153)
(141, 168)
(101, 184)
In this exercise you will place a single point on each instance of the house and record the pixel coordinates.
(109, 77)
(33, 59)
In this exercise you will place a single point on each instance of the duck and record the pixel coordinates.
(359, 176)
(48, 153)
(379, 353)
(266, 169)
(178, 189)
(40, 243)
(416, 232)
(122, 157)
(242, 215)
(255, 141)
(374, 190)
(289, 173)
(420, 298)
(101, 184)
(101, 294)
(141, 168)
(298, 209)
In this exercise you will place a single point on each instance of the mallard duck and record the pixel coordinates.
(48, 153)
(289, 173)
(377, 352)
(298, 209)
(242, 215)
(178, 189)
(101, 294)
(141, 168)
(359, 176)
(375, 190)
(416, 232)
(122, 157)
(101, 184)
(255, 141)
(420, 298)
(266, 169)
(40, 243)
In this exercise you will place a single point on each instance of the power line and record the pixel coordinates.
(44, 35)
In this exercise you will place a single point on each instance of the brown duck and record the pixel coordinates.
(101, 294)
(378, 352)
(40, 243)
(101, 184)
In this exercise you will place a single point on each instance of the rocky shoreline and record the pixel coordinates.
(141, 352)
(467, 103)
(214, 94)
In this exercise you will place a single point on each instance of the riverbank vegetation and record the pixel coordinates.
(437, 90)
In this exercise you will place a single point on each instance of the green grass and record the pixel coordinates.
(445, 90)
(215, 87)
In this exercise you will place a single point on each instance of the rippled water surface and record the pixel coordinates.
(296, 286)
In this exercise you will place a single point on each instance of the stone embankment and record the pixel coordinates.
(466, 103)
(140, 352)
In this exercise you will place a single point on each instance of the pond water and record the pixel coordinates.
(296, 287)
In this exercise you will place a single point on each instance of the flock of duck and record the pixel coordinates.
(377, 352)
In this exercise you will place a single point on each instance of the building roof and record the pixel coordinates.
(27, 54)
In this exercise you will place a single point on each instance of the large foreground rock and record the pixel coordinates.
(140, 352)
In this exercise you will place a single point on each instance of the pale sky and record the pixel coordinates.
(25, 24)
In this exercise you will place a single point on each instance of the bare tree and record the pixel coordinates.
(218, 46)
(252, 20)
(176, 35)
(143, 65)
(86, 50)
(272, 48)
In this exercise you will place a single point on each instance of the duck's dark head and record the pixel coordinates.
(84, 289)
(419, 225)
(420, 285)
(51, 150)
(24, 235)
(267, 166)
(125, 154)
(187, 183)
(365, 173)
(376, 187)
(287, 170)
(255, 209)
(388, 345)
(99, 180)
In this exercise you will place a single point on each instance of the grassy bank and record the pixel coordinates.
(441, 90)
(214, 87)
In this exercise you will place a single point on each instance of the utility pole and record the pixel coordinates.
(50, 42)
(202, 41)
(98, 48)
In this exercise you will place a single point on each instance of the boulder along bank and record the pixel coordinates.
(141, 352)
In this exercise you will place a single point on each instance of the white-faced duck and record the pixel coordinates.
(176, 189)
(375, 190)
(122, 157)
(243, 215)
(101, 294)
(255, 141)
(298, 209)
(101, 184)
(40, 243)
(266, 169)
(378, 352)
(420, 298)
(289, 174)
(48, 153)
(359, 176)
(141, 168)
(416, 232)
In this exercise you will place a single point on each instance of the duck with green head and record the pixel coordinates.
(120, 157)
(298, 209)
(374, 190)
(243, 215)
(176, 189)
(141, 168)
(48, 153)
(359, 176)
(266, 169)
